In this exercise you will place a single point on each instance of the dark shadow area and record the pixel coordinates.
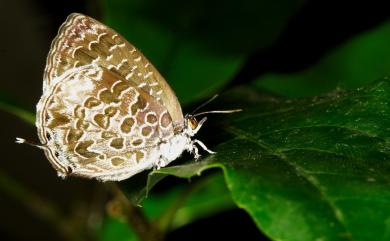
(318, 27)
(236, 225)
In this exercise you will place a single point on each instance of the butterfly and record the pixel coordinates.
(106, 112)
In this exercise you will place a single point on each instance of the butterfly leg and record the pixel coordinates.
(193, 149)
(201, 144)
(196, 153)
(162, 162)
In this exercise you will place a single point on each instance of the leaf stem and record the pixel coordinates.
(166, 218)
(146, 230)
(25, 115)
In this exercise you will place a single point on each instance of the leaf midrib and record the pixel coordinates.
(312, 105)
(355, 131)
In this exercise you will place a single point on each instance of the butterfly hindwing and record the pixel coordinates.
(107, 127)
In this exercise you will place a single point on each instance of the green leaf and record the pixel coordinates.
(364, 58)
(113, 229)
(309, 169)
(210, 198)
(10, 105)
(181, 204)
(198, 45)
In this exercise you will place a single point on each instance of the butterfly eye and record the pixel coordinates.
(192, 122)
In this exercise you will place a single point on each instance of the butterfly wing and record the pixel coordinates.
(82, 40)
(107, 128)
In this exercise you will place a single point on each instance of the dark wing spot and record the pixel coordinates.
(139, 105)
(48, 136)
(81, 124)
(165, 120)
(58, 120)
(108, 134)
(151, 118)
(137, 142)
(117, 143)
(146, 130)
(101, 120)
(127, 124)
(116, 161)
(82, 149)
(139, 155)
(107, 97)
(119, 87)
(91, 102)
(79, 112)
(74, 135)
(111, 111)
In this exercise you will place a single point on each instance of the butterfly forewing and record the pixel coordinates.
(83, 41)
(107, 127)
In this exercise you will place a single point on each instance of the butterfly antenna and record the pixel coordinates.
(218, 112)
(205, 103)
(31, 143)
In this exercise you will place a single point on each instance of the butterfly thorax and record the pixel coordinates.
(181, 141)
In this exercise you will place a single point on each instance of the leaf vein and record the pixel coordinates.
(300, 172)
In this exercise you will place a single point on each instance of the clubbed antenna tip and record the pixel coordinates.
(20, 140)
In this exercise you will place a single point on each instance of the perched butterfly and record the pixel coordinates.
(106, 112)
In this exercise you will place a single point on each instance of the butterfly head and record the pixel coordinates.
(191, 124)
